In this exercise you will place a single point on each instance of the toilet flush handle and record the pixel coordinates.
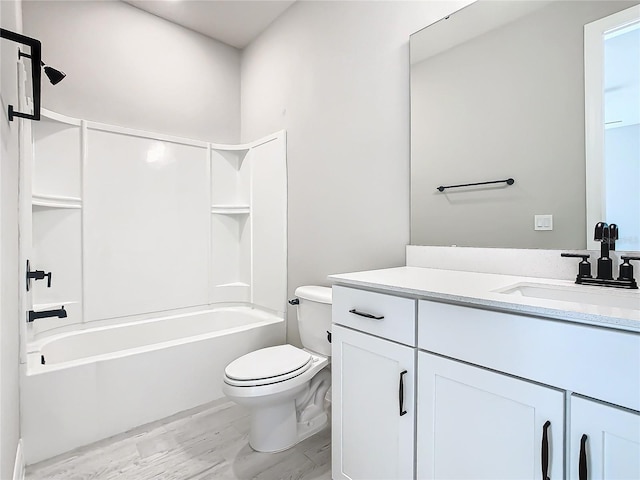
(294, 301)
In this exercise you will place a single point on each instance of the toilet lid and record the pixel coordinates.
(269, 365)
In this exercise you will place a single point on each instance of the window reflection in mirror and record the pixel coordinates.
(612, 100)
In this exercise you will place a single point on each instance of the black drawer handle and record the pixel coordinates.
(401, 394)
(364, 314)
(583, 474)
(545, 450)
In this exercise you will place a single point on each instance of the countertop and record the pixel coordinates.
(483, 290)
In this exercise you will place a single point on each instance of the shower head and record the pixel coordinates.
(55, 76)
(35, 55)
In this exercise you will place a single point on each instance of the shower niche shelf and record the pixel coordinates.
(231, 223)
(231, 209)
(57, 160)
(56, 247)
(235, 291)
(230, 177)
(56, 218)
(231, 257)
(55, 201)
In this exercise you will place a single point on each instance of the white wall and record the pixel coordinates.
(335, 75)
(9, 268)
(130, 68)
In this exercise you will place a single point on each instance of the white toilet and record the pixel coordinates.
(284, 386)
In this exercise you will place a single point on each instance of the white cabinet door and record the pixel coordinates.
(477, 424)
(373, 387)
(605, 440)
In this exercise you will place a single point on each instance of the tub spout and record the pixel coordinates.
(60, 313)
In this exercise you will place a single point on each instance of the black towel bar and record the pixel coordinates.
(508, 181)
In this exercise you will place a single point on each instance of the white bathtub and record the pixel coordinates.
(103, 381)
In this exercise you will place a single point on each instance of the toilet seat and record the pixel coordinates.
(267, 366)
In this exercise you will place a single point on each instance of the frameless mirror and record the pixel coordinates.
(498, 92)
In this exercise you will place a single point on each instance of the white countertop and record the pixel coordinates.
(479, 289)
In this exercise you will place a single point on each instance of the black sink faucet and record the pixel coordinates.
(60, 313)
(607, 236)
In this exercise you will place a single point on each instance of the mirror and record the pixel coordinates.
(498, 92)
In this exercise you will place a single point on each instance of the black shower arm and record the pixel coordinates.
(36, 72)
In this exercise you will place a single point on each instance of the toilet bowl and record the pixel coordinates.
(284, 387)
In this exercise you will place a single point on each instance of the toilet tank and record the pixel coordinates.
(314, 318)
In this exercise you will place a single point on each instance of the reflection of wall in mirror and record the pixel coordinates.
(509, 103)
(622, 134)
(622, 184)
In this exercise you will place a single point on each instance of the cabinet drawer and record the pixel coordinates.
(383, 315)
(594, 362)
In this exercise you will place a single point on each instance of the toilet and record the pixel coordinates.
(284, 387)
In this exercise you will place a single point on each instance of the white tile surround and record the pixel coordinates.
(505, 261)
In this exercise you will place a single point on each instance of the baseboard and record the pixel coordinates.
(19, 466)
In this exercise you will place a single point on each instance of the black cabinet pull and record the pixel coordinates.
(401, 394)
(583, 474)
(545, 450)
(363, 314)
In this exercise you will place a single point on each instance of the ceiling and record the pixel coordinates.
(234, 22)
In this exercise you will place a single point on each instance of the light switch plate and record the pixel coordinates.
(543, 222)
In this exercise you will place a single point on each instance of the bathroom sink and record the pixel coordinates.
(605, 297)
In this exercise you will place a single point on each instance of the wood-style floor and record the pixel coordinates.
(203, 444)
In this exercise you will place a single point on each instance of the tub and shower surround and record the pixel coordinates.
(133, 223)
(169, 256)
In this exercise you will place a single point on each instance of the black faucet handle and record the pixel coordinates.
(626, 269)
(584, 267)
(37, 275)
(613, 236)
(600, 231)
(583, 256)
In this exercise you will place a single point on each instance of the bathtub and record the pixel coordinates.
(98, 382)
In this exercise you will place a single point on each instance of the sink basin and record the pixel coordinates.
(605, 297)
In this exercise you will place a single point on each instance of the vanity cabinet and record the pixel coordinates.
(499, 394)
(373, 407)
(503, 355)
(605, 439)
(475, 423)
